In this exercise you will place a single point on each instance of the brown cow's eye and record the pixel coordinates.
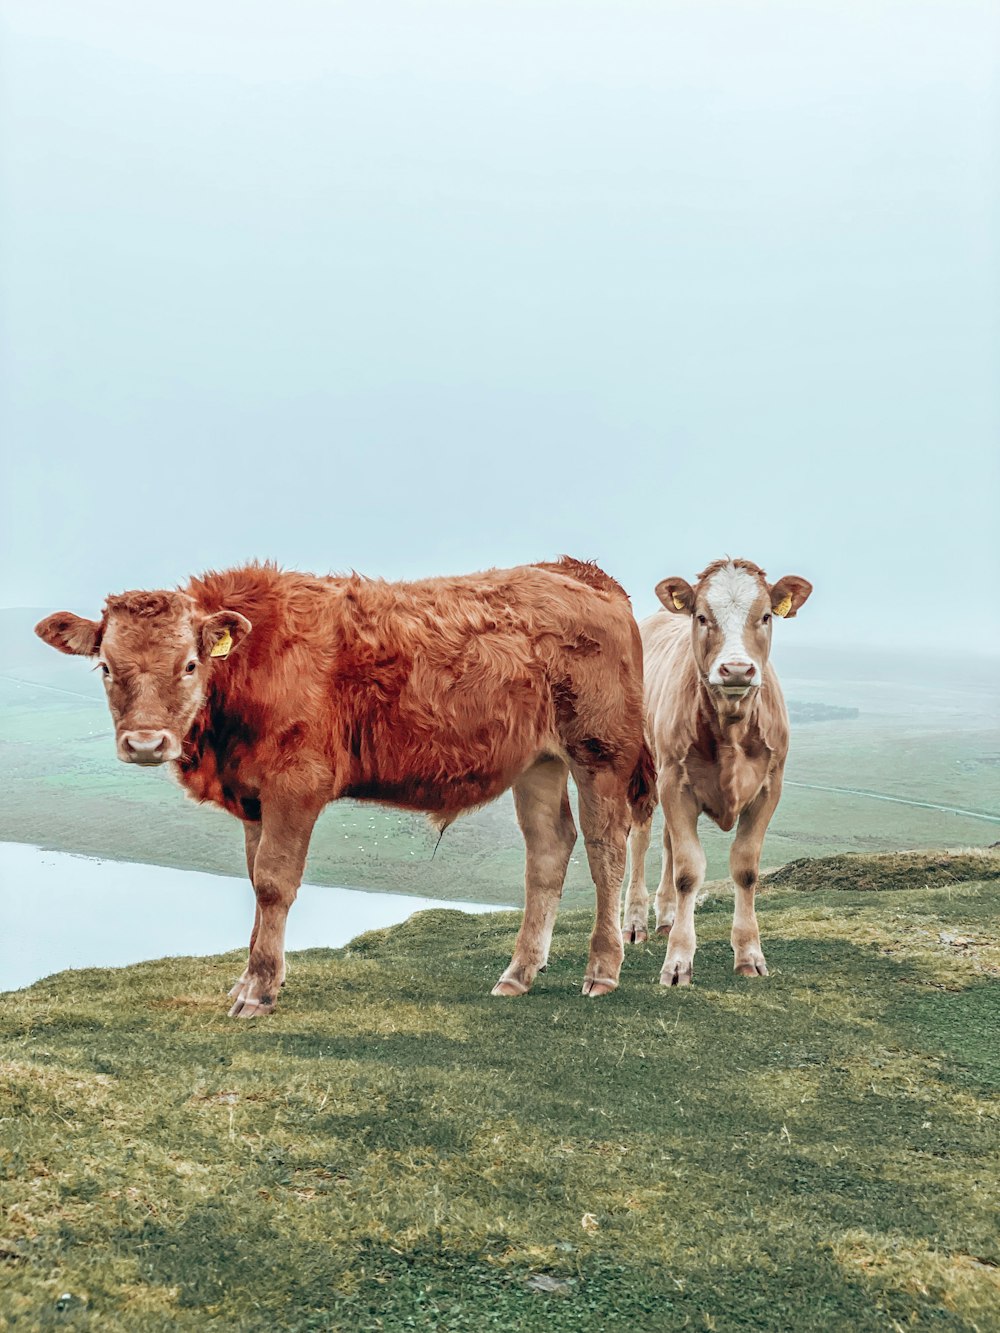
(191, 667)
(105, 670)
(702, 620)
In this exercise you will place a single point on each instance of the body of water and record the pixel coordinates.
(59, 910)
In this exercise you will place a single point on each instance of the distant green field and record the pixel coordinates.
(935, 742)
(393, 1150)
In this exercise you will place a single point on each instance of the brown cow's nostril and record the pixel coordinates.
(146, 747)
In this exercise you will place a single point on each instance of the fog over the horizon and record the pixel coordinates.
(419, 288)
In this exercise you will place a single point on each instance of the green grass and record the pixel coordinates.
(394, 1150)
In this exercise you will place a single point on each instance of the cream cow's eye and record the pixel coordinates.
(702, 620)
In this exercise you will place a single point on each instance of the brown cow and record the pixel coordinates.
(434, 696)
(718, 726)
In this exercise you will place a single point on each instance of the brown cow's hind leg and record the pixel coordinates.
(605, 819)
(546, 820)
(278, 867)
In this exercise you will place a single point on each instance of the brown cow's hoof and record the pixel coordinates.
(252, 1008)
(248, 1004)
(595, 987)
(634, 934)
(665, 928)
(507, 986)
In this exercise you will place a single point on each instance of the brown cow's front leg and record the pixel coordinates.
(546, 820)
(681, 814)
(277, 873)
(744, 864)
(251, 835)
(604, 818)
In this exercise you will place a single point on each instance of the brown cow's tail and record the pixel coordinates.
(642, 787)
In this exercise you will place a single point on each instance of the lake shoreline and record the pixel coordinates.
(63, 910)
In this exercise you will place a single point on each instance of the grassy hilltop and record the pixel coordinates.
(395, 1150)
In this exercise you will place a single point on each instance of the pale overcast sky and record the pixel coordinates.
(419, 288)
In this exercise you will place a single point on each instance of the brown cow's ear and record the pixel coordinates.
(70, 634)
(788, 594)
(677, 595)
(223, 632)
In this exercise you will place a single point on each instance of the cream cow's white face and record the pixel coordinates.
(732, 609)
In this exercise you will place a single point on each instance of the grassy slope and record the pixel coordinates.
(395, 1150)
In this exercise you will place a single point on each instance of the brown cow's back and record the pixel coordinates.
(432, 695)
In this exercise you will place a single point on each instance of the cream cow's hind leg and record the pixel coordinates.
(666, 894)
(635, 916)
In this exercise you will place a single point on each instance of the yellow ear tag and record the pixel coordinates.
(223, 646)
(678, 602)
(784, 606)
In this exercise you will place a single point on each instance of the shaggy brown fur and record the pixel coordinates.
(435, 696)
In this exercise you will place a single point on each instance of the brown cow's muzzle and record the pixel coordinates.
(148, 747)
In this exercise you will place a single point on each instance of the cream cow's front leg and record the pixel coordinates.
(680, 811)
(744, 865)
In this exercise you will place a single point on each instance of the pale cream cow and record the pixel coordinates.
(718, 727)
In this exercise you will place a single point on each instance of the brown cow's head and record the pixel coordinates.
(732, 608)
(154, 651)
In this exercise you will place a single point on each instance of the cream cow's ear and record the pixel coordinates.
(70, 634)
(677, 595)
(788, 594)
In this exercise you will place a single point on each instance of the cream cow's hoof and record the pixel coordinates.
(751, 965)
(595, 987)
(677, 971)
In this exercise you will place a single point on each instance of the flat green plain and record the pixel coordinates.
(933, 739)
